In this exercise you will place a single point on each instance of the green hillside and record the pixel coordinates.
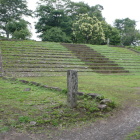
(125, 58)
(110, 72)
(30, 58)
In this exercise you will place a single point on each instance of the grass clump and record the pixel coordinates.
(135, 135)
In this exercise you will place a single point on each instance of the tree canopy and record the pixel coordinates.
(129, 34)
(62, 14)
(55, 34)
(74, 21)
(111, 33)
(88, 30)
(12, 10)
(18, 29)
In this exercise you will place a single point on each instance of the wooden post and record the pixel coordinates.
(72, 87)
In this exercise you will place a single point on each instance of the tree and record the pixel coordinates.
(22, 34)
(88, 30)
(50, 17)
(62, 14)
(55, 34)
(12, 10)
(128, 32)
(111, 33)
(74, 9)
(18, 29)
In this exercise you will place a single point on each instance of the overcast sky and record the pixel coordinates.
(113, 9)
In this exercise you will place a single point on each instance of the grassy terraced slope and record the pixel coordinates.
(30, 58)
(95, 60)
(123, 57)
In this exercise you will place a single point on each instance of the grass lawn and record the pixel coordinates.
(30, 108)
(137, 48)
(27, 107)
(119, 88)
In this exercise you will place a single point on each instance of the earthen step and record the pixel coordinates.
(81, 50)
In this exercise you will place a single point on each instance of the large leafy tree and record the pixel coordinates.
(50, 17)
(52, 14)
(129, 34)
(88, 30)
(55, 34)
(111, 33)
(12, 10)
(18, 29)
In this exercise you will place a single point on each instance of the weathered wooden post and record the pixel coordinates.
(72, 87)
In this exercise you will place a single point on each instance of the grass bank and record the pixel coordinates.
(119, 88)
(34, 109)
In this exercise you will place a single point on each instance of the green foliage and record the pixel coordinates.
(18, 29)
(22, 34)
(129, 34)
(50, 17)
(24, 119)
(111, 33)
(12, 10)
(112, 105)
(55, 34)
(76, 8)
(62, 14)
(135, 135)
(4, 129)
(137, 48)
(115, 37)
(88, 30)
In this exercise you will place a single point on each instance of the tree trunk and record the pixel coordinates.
(7, 34)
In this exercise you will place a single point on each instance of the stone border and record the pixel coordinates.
(34, 83)
(103, 103)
